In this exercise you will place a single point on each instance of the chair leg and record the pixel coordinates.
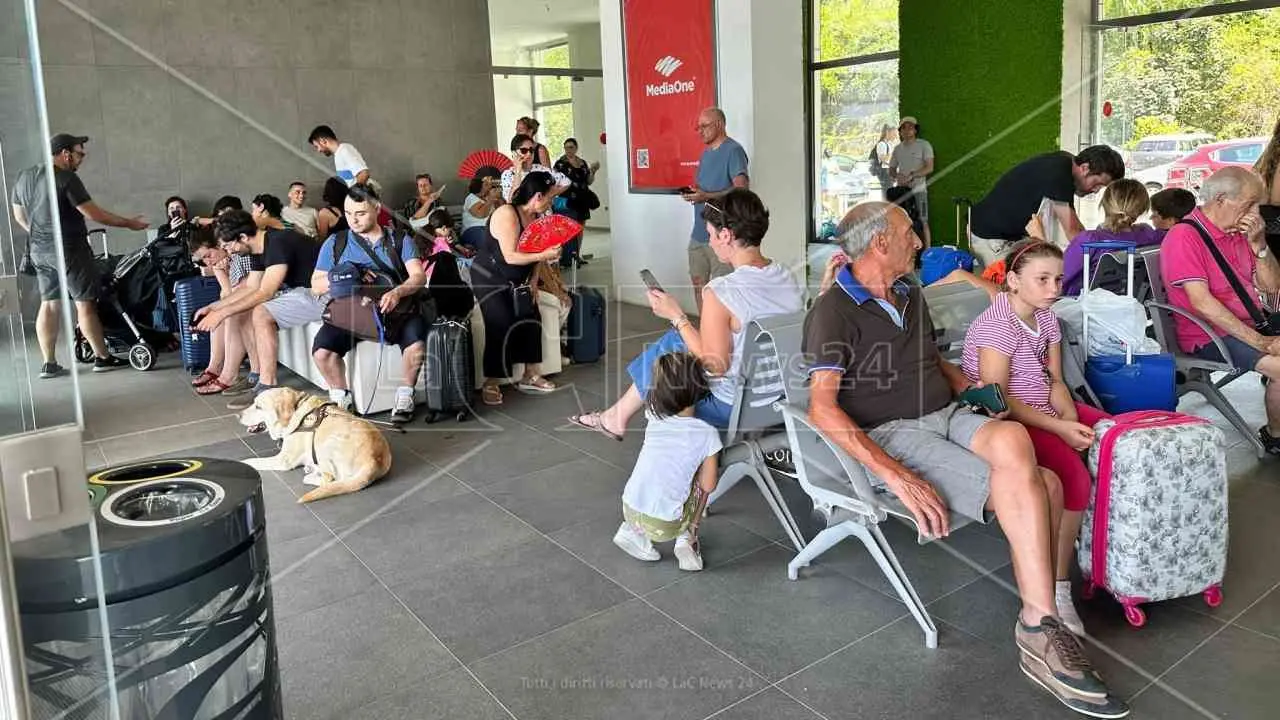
(1215, 397)
(728, 478)
(888, 561)
(824, 541)
(778, 504)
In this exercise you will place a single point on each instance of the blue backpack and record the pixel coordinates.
(938, 262)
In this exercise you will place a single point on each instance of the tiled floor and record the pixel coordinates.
(478, 581)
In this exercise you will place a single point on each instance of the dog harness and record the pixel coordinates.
(310, 422)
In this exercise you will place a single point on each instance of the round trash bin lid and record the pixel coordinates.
(162, 502)
(151, 470)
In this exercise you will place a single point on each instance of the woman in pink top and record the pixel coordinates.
(1016, 343)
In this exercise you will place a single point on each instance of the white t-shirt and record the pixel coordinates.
(468, 220)
(751, 293)
(908, 157)
(673, 450)
(304, 220)
(348, 163)
(509, 178)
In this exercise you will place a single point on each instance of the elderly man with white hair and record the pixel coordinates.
(1196, 279)
(880, 389)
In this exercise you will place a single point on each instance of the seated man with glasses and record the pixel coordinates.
(522, 153)
(279, 289)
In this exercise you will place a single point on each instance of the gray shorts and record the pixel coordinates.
(935, 446)
(82, 275)
(295, 307)
(704, 264)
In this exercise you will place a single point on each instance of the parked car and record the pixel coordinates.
(1189, 172)
(1154, 178)
(1160, 149)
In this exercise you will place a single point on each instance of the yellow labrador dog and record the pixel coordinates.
(341, 452)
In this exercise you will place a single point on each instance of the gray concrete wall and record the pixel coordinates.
(406, 81)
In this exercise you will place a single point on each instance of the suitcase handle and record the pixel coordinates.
(1127, 246)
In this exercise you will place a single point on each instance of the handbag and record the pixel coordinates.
(1266, 324)
(357, 314)
(523, 303)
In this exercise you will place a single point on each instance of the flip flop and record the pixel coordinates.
(204, 378)
(537, 384)
(578, 420)
(213, 387)
(491, 395)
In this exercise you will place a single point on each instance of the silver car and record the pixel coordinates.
(1160, 149)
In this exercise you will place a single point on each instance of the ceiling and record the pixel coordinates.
(520, 23)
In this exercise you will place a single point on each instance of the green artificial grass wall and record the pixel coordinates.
(971, 71)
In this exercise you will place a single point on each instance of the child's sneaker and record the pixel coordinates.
(634, 543)
(688, 555)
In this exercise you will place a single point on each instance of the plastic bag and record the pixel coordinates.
(1117, 324)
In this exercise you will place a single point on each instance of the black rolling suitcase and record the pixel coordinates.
(448, 370)
(586, 325)
(190, 295)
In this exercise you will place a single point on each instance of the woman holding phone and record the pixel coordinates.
(757, 288)
(1017, 344)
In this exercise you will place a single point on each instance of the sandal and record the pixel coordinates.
(581, 421)
(213, 387)
(536, 384)
(204, 378)
(491, 395)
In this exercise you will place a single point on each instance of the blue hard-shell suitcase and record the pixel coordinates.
(586, 338)
(190, 295)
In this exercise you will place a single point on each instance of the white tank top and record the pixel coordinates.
(751, 293)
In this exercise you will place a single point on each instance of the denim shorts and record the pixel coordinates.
(1243, 355)
(710, 410)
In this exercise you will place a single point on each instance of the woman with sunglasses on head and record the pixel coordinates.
(523, 154)
(500, 277)
(756, 288)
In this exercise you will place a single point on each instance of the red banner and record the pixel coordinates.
(669, 52)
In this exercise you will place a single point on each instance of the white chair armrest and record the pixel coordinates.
(844, 486)
(1199, 322)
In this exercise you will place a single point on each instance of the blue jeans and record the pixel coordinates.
(710, 410)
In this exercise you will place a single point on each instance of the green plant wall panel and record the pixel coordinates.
(984, 78)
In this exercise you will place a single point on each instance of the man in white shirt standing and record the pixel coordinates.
(348, 164)
(911, 163)
(303, 219)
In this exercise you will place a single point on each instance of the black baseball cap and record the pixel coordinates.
(64, 141)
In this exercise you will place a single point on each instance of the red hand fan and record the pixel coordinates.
(483, 158)
(547, 232)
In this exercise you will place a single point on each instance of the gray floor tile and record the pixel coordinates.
(721, 541)
(1232, 676)
(312, 572)
(989, 611)
(405, 545)
(169, 440)
(452, 696)
(411, 482)
(772, 704)
(774, 625)
(510, 453)
(933, 570)
(562, 495)
(893, 675)
(628, 662)
(744, 504)
(1265, 616)
(286, 519)
(351, 653)
(492, 601)
(549, 410)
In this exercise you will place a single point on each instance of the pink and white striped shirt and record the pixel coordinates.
(1000, 329)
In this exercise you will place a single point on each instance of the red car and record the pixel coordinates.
(1190, 171)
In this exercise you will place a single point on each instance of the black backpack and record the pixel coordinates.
(451, 296)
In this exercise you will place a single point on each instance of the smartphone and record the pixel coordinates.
(650, 280)
(685, 190)
(988, 399)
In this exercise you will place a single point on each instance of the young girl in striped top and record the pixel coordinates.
(1016, 343)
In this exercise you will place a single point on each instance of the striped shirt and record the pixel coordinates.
(1000, 329)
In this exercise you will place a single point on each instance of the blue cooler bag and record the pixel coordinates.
(1147, 383)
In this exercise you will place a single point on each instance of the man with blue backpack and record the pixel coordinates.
(376, 269)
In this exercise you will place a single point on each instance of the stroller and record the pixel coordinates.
(135, 300)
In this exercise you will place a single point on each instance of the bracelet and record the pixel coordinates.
(680, 322)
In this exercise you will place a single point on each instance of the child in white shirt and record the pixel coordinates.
(676, 470)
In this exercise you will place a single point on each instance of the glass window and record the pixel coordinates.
(1112, 9)
(557, 126)
(849, 28)
(854, 104)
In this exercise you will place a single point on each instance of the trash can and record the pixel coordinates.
(185, 579)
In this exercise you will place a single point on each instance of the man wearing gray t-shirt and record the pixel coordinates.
(910, 165)
(722, 167)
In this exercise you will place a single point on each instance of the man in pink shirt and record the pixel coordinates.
(1196, 282)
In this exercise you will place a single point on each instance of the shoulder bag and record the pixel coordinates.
(1268, 325)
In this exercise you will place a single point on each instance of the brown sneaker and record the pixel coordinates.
(1108, 707)
(1052, 646)
(240, 387)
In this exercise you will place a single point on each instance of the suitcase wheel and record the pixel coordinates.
(1135, 616)
(462, 416)
(1213, 596)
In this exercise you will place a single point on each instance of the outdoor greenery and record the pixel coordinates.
(1212, 74)
(557, 120)
(854, 102)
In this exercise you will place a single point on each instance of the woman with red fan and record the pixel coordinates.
(500, 278)
(523, 149)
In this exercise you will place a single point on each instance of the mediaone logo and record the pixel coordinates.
(666, 67)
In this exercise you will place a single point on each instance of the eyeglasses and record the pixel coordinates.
(713, 207)
(524, 150)
(704, 126)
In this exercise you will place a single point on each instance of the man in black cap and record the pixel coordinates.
(32, 211)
